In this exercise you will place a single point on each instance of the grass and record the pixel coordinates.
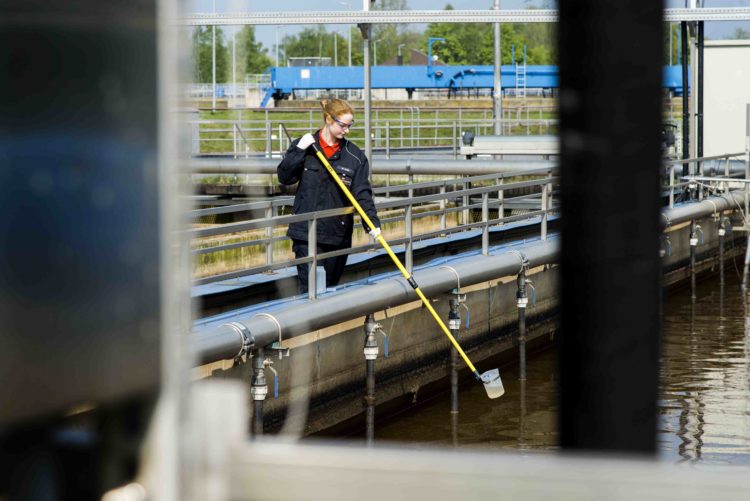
(435, 127)
(225, 261)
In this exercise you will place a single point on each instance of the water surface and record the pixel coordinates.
(704, 405)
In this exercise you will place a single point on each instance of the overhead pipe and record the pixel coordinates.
(415, 166)
(218, 342)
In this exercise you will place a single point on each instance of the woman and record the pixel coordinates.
(317, 191)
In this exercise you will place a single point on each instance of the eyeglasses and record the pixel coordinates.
(343, 125)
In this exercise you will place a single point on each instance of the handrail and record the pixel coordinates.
(462, 190)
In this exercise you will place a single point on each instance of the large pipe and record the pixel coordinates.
(213, 343)
(686, 212)
(417, 166)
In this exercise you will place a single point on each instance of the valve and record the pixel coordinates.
(371, 342)
(666, 250)
(269, 364)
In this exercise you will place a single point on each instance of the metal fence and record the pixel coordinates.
(458, 205)
(409, 128)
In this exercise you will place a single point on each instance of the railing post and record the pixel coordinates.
(269, 235)
(442, 206)
(545, 209)
(437, 115)
(501, 199)
(409, 241)
(455, 141)
(388, 140)
(485, 225)
(401, 127)
(465, 201)
(281, 140)
(268, 137)
(312, 250)
(671, 185)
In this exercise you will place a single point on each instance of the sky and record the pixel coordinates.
(267, 34)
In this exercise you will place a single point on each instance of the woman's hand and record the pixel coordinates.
(305, 141)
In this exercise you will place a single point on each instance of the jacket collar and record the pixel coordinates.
(336, 155)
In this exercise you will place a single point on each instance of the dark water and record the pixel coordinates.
(704, 406)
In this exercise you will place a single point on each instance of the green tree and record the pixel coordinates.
(252, 55)
(202, 55)
(741, 34)
(390, 36)
(473, 43)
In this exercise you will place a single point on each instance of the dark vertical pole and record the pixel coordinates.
(80, 286)
(258, 391)
(722, 232)
(371, 354)
(693, 248)
(611, 276)
(522, 301)
(685, 97)
(699, 95)
(454, 324)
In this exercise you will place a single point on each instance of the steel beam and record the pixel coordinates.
(433, 16)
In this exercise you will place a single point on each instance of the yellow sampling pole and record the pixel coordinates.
(490, 377)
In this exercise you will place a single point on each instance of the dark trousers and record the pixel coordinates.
(334, 266)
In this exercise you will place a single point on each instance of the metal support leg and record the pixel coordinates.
(722, 232)
(371, 353)
(454, 324)
(522, 300)
(258, 391)
(747, 264)
(693, 246)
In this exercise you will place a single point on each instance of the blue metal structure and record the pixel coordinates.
(286, 80)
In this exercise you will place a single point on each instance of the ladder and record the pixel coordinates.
(521, 80)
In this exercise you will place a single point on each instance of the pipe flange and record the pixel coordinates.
(246, 338)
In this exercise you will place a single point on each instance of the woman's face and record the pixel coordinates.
(339, 126)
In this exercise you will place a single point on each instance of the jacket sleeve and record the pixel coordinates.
(290, 168)
(362, 192)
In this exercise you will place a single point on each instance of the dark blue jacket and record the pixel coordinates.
(317, 191)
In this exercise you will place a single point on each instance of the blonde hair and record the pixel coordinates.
(334, 108)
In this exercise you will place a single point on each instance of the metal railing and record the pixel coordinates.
(409, 128)
(684, 185)
(458, 199)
